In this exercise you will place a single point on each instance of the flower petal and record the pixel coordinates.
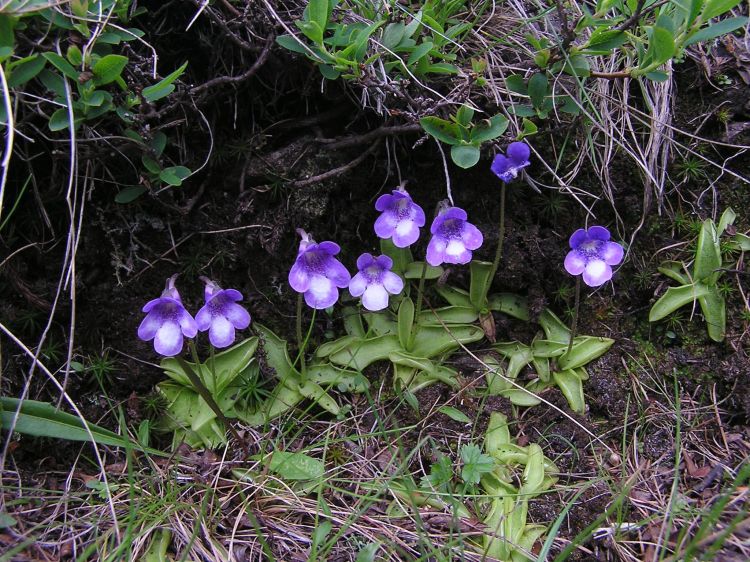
(168, 340)
(330, 248)
(232, 294)
(364, 261)
(384, 262)
(471, 236)
(148, 307)
(237, 315)
(392, 283)
(336, 272)
(187, 323)
(384, 202)
(437, 222)
(455, 213)
(575, 262)
(299, 278)
(417, 214)
(150, 325)
(611, 253)
(221, 333)
(500, 166)
(596, 273)
(385, 224)
(518, 153)
(578, 238)
(456, 252)
(322, 293)
(357, 285)
(203, 318)
(598, 233)
(436, 251)
(375, 298)
(405, 233)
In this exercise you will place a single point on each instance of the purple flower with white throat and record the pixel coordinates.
(167, 322)
(593, 254)
(453, 237)
(316, 273)
(375, 282)
(401, 218)
(506, 166)
(221, 315)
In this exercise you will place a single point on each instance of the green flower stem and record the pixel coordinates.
(418, 309)
(500, 238)
(300, 341)
(576, 306)
(201, 389)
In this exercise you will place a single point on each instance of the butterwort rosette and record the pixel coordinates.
(317, 273)
(167, 322)
(453, 238)
(506, 166)
(401, 218)
(375, 282)
(593, 255)
(221, 315)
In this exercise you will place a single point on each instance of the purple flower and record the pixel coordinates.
(375, 281)
(593, 255)
(401, 218)
(167, 322)
(453, 238)
(316, 273)
(507, 167)
(221, 314)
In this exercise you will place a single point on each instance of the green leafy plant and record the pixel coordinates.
(187, 414)
(700, 284)
(89, 85)
(416, 342)
(539, 92)
(643, 37)
(464, 137)
(550, 359)
(489, 488)
(510, 537)
(42, 419)
(478, 299)
(292, 387)
(156, 174)
(420, 46)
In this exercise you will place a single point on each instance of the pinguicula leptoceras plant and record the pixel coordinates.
(317, 275)
(591, 256)
(506, 167)
(375, 281)
(453, 237)
(167, 322)
(401, 218)
(221, 315)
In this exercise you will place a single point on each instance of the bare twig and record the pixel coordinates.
(260, 61)
(336, 171)
(355, 140)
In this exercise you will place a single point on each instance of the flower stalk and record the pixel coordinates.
(300, 342)
(500, 236)
(204, 393)
(418, 309)
(576, 306)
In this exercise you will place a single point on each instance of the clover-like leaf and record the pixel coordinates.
(475, 463)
